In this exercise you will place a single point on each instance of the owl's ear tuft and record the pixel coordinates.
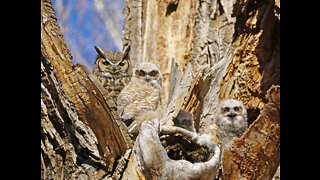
(99, 51)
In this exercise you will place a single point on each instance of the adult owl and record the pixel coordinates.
(142, 93)
(113, 70)
(231, 119)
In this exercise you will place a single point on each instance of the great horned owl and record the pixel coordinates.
(231, 119)
(142, 93)
(113, 70)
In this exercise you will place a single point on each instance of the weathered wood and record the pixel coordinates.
(251, 65)
(65, 140)
(214, 31)
(178, 97)
(149, 159)
(132, 29)
(99, 134)
(175, 77)
(159, 31)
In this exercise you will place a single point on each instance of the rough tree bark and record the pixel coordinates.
(79, 135)
(207, 51)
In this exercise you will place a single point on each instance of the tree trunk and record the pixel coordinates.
(79, 135)
(207, 51)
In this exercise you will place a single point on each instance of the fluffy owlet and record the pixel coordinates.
(142, 93)
(231, 119)
(113, 70)
(185, 120)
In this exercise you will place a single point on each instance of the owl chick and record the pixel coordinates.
(113, 70)
(184, 119)
(142, 93)
(231, 119)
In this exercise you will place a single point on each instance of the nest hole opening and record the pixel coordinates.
(179, 147)
(252, 115)
(172, 7)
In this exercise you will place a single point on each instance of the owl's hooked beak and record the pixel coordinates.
(232, 114)
(148, 78)
(114, 68)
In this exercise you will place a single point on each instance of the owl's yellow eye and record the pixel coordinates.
(105, 62)
(226, 109)
(142, 73)
(153, 73)
(122, 63)
(186, 122)
(236, 109)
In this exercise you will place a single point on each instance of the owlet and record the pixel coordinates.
(231, 119)
(184, 119)
(142, 93)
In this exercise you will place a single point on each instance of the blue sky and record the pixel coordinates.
(84, 27)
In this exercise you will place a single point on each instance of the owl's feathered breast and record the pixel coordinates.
(136, 97)
(114, 84)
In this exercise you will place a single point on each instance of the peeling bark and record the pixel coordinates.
(69, 148)
(214, 30)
